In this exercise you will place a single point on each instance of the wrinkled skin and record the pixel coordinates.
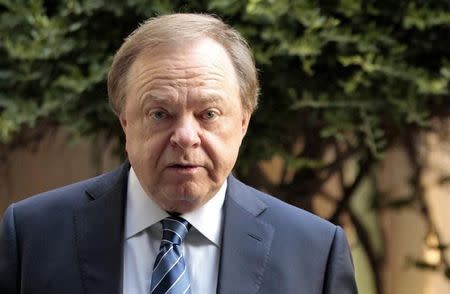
(184, 122)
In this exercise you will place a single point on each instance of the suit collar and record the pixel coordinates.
(99, 233)
(244, 196)
(246, 241)
(143, 212)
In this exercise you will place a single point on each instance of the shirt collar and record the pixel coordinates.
(142, 212)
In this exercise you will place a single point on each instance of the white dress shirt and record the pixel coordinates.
(143, 231)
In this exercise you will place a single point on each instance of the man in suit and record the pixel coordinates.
(184, 87)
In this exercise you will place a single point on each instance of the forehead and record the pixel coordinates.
(198, 60)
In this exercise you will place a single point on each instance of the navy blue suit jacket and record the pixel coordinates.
(70, 240)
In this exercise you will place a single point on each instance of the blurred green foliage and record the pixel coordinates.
(355, 71)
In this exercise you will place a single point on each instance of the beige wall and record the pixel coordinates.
(405, 230)
(436, 158)
(53, 163)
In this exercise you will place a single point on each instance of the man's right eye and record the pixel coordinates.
(158, 115)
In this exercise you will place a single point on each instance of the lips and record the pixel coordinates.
(184, 168)
(183, 165)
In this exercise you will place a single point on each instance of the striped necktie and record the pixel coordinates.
(169, 272)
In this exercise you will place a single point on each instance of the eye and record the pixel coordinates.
(158, 115)
(210, 115)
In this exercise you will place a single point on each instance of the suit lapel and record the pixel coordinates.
(246, 241)
(99, 233)
(99, 237)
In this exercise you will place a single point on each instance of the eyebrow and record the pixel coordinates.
(209, 96)
(155, 97)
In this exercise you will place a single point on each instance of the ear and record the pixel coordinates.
(246, 115)
(123, 120)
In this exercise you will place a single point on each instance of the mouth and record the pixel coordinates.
(183, 165)
(184, 168)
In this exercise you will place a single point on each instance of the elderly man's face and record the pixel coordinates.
(184, 122)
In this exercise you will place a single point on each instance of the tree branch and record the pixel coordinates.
(364, 238)
(349, 191)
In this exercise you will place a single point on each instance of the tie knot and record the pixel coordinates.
(175, 229)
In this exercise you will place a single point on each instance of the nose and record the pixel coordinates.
(185, 134)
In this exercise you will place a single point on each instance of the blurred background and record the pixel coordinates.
(353, 122)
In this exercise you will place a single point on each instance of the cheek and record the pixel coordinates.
(134, 138)
(223, 145)
(232, 133)
(140, 143)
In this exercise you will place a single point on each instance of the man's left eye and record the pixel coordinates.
(209, 115)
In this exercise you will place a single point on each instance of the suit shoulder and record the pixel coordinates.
(71, 193)
(284, 214)
(61, 199)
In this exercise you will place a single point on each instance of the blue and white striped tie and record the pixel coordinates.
(169, 272)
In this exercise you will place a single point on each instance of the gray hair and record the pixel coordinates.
(182, 27)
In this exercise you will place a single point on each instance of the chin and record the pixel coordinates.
(187, 191)
(182, 206)
(184, 200)
(183, 197)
